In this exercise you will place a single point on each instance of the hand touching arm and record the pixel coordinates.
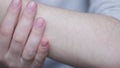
(81, 39)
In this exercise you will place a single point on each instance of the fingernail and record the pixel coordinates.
(44, 44)
(15, 3)
(39, 23)
(31, 6)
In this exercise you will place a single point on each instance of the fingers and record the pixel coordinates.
(22, 31)
(11, 17)
(20, 37)
(24, 27)
(9, 22)
(34, 40)
(41, 54)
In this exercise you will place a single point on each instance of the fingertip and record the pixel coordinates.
(16, 3)
(31, 7)
(39, 23)
(44, 42)
(41, 19)
(44, 46)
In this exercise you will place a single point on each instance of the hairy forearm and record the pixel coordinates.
(78, 38)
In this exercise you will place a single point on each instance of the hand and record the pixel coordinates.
(21, 44)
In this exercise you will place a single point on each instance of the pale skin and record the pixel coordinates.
(18, 48)
(80, 39)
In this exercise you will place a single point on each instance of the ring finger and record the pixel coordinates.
(33, 41)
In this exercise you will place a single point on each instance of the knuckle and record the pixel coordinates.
(15, 52)
(18, 39)
(27, 59)
(39, 60)
(28, 56)
(8, 61)
(30, 52)
(27, 15)
(4, 32)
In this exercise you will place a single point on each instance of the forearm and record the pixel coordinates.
(78, 38)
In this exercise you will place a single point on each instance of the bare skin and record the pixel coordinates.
(80, 39)
(21, 38)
